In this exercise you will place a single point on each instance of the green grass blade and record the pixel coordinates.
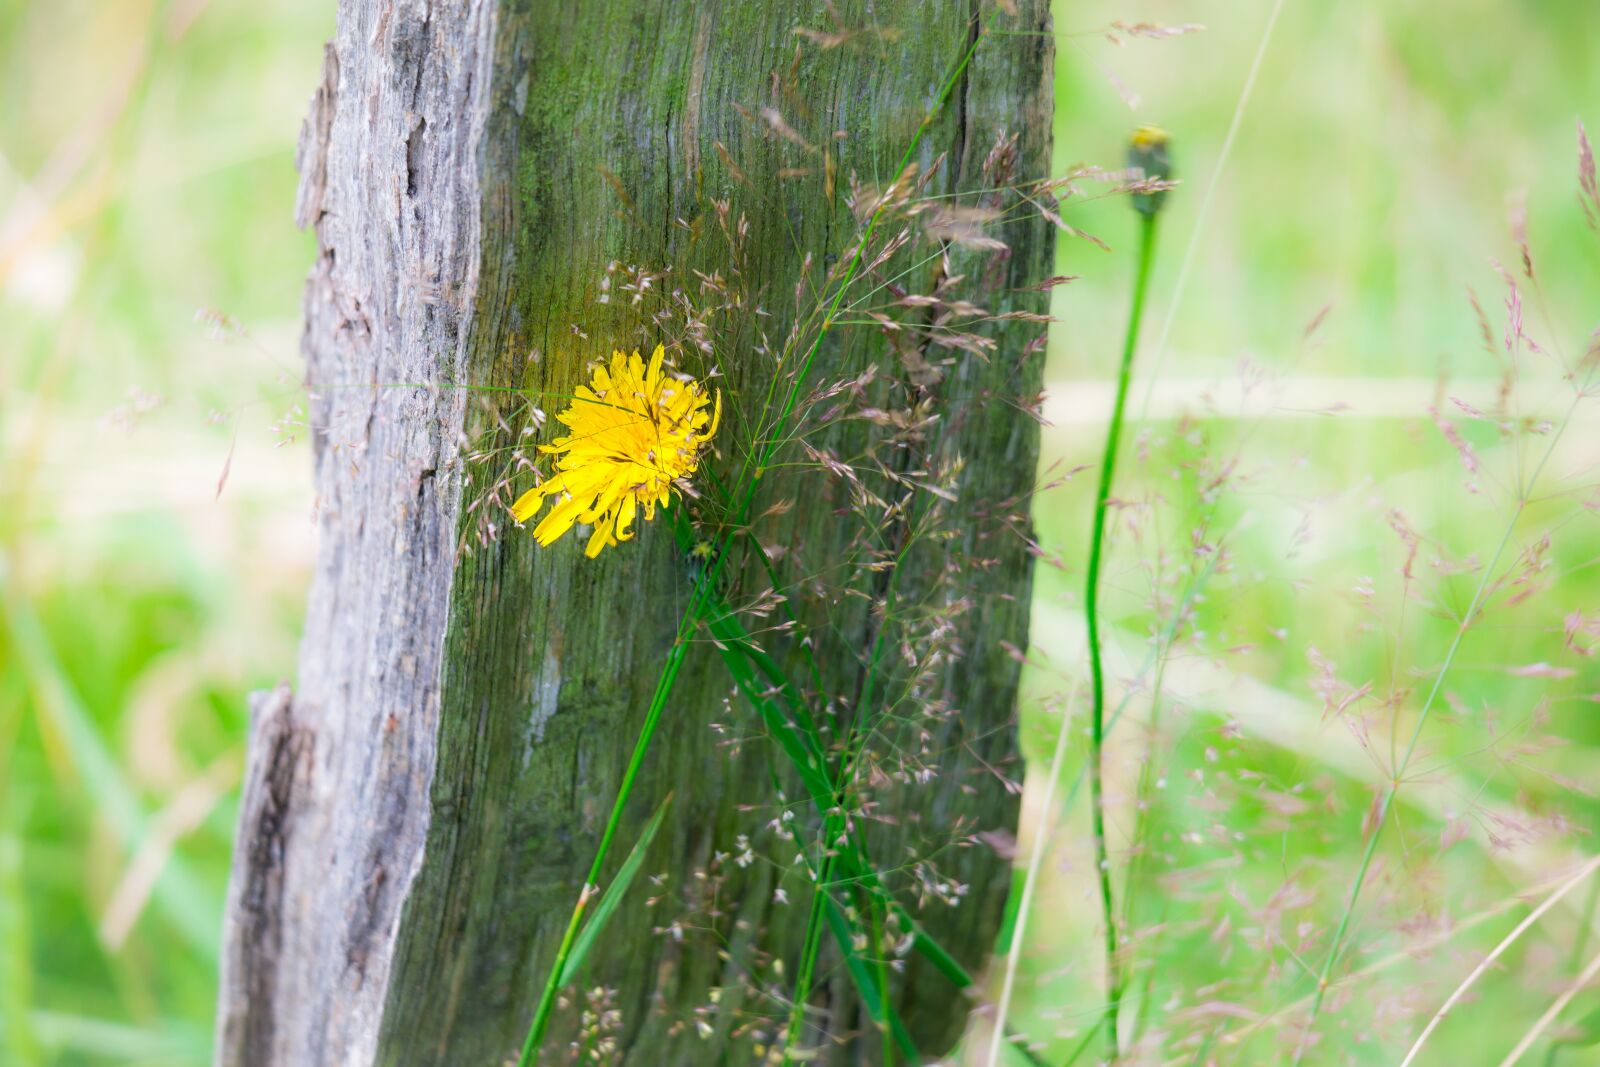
(1083, 1046)
(641, 746)
(736, 645)
(788, 720)
(794, 742)
(878, 1007)
(739, 653)
(613, 895)
(742, 657)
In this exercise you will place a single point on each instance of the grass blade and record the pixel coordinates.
(1488, 961)
(612, 896)
(744, 660)
(872, 997)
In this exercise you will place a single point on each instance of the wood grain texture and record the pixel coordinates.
(420, 813)
(389, 179)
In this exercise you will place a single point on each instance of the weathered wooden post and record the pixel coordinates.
(420, 810)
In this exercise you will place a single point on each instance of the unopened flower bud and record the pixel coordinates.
(1147, 154)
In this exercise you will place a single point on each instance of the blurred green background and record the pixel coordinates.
(155, 498)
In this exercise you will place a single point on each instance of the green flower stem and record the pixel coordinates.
(1091, 598)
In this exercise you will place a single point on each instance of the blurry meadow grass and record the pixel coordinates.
(150, 279)
(1280, 472)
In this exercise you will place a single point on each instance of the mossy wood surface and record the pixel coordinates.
(421, 810)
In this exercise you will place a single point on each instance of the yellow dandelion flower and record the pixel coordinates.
(635, 430)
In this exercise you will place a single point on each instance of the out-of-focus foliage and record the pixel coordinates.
(1291, 483)
(150, 276)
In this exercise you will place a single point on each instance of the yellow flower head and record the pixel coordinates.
(634, 431)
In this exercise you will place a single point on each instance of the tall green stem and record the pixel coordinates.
(1091, 601)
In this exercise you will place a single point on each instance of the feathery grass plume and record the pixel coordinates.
(1508, 581)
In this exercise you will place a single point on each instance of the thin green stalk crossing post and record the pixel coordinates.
(591, 886)
(1148, 151)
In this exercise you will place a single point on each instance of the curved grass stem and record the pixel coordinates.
(1091, 597)
(1488, 961)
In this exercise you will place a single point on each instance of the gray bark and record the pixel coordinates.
(419, 812)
